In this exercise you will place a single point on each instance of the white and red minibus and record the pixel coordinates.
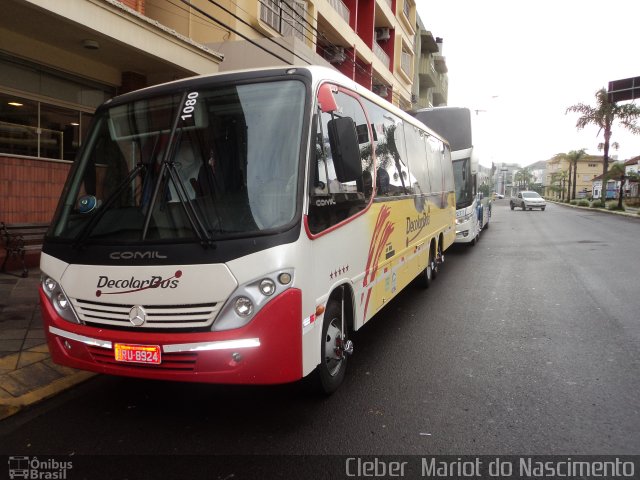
(237, 227)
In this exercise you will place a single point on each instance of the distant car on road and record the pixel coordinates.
(499, 195)
(527, 200)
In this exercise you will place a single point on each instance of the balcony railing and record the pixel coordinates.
(341, 8)
(384, 58)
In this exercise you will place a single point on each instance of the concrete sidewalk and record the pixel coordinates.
(27, 374)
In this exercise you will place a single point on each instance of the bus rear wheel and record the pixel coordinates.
(438, 261)
(428, 274)
(335, 348)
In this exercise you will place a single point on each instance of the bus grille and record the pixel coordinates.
(159, 317)
(177, 362)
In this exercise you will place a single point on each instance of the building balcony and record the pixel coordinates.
(385, 16)
(341, 8)
(427, 73)
(382, 56)
(440, 92)
(428, 44)
(440, 64)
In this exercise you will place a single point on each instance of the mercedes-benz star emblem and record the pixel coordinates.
(137, 316)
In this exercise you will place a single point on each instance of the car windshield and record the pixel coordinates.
(530, 195)
(211, 163)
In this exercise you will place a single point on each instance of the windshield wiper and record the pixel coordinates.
(84, 233)
(169, 167)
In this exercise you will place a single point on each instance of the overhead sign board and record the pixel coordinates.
(626, 89)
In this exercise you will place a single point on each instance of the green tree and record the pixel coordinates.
(523, 178)
(617, 172)
(573, 157)
(485, 189)
(604, 115)
(558, 181)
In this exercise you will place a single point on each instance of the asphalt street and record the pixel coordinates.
(527, 343)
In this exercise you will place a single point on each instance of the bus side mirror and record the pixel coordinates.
(326, 100)
(345, 151)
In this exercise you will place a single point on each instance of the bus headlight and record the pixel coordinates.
(49, 285)
(464, 219)
(267, 287)
(58, 299)
(243, 306)
(249, 298)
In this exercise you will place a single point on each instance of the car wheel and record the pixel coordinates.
(511, 205)
(542, 208)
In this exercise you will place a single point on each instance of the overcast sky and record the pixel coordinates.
(523, 63)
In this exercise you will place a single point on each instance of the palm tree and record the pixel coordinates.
(559, 179)
(523, 178)
(604, 115)
(573, 156)
(617, 171)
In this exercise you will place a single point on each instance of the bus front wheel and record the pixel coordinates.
(335, 348)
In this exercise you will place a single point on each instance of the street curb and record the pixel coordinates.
(11, 406)
(602, 210)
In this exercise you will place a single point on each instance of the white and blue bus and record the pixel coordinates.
(237, 227)
(473, 209)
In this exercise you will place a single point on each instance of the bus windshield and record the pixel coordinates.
(206, 163)
(463, 182)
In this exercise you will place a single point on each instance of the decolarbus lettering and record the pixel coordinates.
(153, 282)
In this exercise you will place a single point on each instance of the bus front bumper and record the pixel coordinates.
(268, 350)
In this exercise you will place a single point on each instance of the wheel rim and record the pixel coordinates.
(333, 356)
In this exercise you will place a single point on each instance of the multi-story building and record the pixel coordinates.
(60, 59)
(632, 169)
(430, 81)
(380, 44)
(503, 177)
(557, 177)
(538, 173)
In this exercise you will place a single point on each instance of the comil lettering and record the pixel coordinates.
(146, 255)
(325, 203)
(136, 283)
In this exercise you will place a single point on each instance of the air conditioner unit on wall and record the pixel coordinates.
(382, 34)
(381, 90)
(337, 55)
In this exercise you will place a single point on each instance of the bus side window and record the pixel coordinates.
(335, 196)
(417, 154)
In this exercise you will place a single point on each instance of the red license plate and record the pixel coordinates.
(148, 354)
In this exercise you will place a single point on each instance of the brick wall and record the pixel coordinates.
(137, 5)
(30, 188)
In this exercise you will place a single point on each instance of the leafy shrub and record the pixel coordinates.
(583, 203)
(614, 207)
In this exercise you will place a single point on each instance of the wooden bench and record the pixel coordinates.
(20, 238)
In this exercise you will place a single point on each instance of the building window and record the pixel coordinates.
(39, 129)
(406, 9)
(42, 112)
(286, 17)
(405, 62)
